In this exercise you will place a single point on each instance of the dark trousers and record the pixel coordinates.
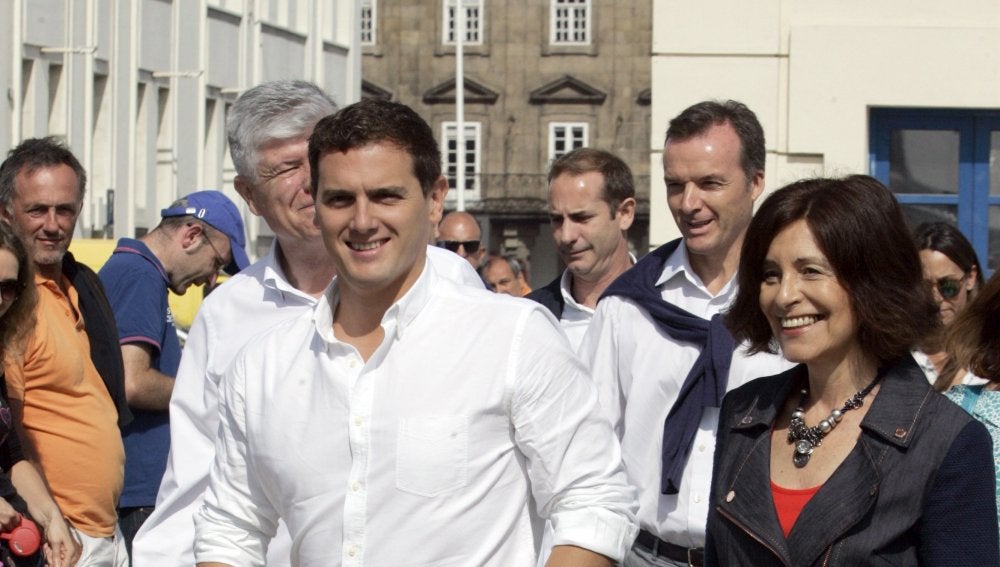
(129, 521)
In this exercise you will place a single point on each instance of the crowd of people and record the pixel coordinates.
(811, 384)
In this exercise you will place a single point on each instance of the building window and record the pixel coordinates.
(943, 165)
(569, 22)
(473, 10)
(449, 153)
(565, 137)
(368, 12)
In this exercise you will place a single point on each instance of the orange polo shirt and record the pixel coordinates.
(69, 418)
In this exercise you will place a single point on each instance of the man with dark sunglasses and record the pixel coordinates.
(198, 236)
(459, 232)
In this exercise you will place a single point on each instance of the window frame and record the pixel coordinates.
(372, 31)
(448, 21)
(572, 7)
(972, 199)
(568, 127)
(449, 133)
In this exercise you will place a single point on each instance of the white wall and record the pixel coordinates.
(811, 70)
(139, 89)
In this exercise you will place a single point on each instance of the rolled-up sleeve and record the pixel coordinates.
(236, 521)
(574, 459)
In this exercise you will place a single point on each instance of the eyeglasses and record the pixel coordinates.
(9, 290)
(949, 287)
(471, 246)
(218, 262)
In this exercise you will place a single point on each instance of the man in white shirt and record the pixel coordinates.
(268, 129)
(407, 420)
(591, 206)
(657, 346)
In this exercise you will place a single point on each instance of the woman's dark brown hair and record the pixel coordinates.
(974, 337)
(860, 227)
(19, 319)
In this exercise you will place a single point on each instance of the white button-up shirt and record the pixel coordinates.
(436, 451)
(639, 372)
(575, 316)
(249, 303)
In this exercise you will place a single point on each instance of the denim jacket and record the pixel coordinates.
(918, 488)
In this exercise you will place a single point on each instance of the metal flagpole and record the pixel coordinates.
(460, 104)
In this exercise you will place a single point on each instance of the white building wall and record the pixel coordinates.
(812, 70)
(139, 89)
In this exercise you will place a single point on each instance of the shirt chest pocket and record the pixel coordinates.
(432, 454)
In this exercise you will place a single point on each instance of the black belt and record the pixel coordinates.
(693, 556)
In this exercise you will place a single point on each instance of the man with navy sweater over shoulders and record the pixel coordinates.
(657, 348)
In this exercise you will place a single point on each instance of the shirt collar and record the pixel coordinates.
(678, 265)
(566, 288)
(139, 248)
(274, 276)
(396, 319)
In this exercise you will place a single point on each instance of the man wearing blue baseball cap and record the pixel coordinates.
(198, 236)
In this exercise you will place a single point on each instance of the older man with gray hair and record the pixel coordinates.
(268, 129)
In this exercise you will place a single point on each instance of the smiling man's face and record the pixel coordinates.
(281, 193)
(44, 209)
(708, 192)
(375, 220)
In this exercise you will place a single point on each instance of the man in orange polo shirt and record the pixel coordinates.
(67, 386)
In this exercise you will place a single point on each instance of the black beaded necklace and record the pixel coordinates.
(806, 439)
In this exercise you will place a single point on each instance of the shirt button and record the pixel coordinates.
(356, 486)
(701, 448)
(358, 421)
(697, 498)
(352, 551)
(354, 363)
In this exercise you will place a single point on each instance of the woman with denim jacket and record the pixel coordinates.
(849, 458)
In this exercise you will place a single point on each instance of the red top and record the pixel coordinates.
(789, 502)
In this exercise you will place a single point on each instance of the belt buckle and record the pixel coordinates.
(690, 558)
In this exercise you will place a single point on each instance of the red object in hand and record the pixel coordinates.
(24, 539)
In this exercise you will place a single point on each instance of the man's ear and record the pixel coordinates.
(757, 185)
(626, 213)
(436, 197)
(190, 236)
(245, 189)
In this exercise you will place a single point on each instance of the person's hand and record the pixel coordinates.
(61, 548)
(9, 517)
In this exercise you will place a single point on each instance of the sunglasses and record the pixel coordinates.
(471, 246)
(949, 287)
(9, 290)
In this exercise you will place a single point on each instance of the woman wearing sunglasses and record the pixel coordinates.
(974, 343)
(952, 270)
(22, 491)
(849, 458)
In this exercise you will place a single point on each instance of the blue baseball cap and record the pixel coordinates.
(221, 214)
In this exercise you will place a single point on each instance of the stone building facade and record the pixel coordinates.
(541, 77)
